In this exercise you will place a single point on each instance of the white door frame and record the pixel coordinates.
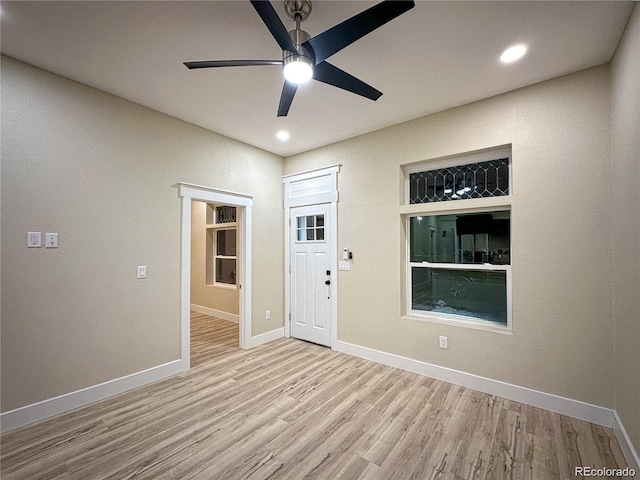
(304, 189)
(188, 192)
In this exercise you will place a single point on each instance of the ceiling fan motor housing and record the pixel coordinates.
(303, 54)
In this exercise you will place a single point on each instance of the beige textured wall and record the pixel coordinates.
(625, 166)
(99, 170)
(218, 298)
(561, 236)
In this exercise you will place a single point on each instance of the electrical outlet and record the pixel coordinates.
(443, 342)
(34, 239)
(268, 315)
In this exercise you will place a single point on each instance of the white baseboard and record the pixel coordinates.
(266, 337)
(48, 408)
(630, 453)
(554, 403)
(231, 317)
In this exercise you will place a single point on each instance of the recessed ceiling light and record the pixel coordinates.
(283, 136)
(513, 54)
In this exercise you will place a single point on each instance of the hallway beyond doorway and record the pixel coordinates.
(211, 337)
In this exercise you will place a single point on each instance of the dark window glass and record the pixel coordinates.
(226, 243)
(478, 294)
(478, 238)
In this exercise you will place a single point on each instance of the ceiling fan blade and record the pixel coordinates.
(336, 38)
(326, 73)
(274, 24)
(230, 63)
(288, 91)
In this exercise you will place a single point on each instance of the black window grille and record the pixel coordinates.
(474, 180)
(225, 214)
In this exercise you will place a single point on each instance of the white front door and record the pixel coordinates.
(311, 274)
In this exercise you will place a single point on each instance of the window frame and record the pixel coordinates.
(221, 228)
(456, 207)
(450, 317)
(212, 227)
(456, 161)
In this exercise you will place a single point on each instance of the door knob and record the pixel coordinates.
(328, 282)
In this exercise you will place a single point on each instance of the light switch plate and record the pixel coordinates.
(51, 240)
(344, 266)
(34, 239)
(142, 271)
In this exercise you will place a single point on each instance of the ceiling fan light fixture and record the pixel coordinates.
(298, 69)
(298, 65)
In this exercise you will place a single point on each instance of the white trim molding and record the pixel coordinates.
(554, 403)
(53, 406)
(212, 312)
(187, 193)
(630, 453)
(266, 337)
(312, 187)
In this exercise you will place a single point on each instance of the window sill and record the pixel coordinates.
(457, 321)
(226, 286)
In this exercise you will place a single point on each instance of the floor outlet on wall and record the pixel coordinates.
(443, 342)
(268, 315)
(142, 271)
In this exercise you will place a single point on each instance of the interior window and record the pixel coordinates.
(459, 264)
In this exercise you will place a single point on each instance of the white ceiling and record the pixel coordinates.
(436, 56)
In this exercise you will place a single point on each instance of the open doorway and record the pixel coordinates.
(215, 297)
(238, 271)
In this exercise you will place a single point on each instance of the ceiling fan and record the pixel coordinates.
(303, 57)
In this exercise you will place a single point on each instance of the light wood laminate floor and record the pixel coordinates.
(293, 410)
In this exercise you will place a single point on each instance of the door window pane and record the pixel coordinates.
(310, 228)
